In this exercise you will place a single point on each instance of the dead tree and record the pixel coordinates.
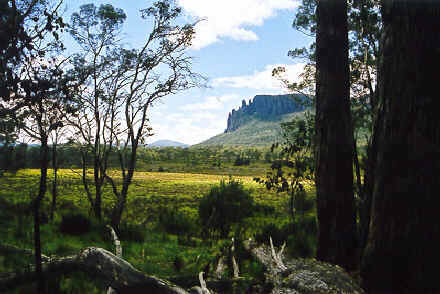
(98, 263)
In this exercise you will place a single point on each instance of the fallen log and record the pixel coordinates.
(99, 263)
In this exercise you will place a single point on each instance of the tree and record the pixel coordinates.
(33, 89)
(334, 138)
(96, 31)
(402, 250)
(56, 136)
(124, 84)
(12, 157)
(294, 166)
(365, 27)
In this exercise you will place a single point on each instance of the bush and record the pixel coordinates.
(241, 160)
(264, 209)
(303, 202)
(309, 225)
(279, 235)
(301, 245)
(178, 263)
(176, 222)
(74, 224)
(226, 204)
(130, 232)
(300, 237)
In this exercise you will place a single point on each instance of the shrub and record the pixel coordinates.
(300, 237)
(131, 232)
(225, 204)
(264, 209)
(176, 222)
(178, 263)
(279, 235)
(241, 160)
(301, 245)
(309, 225)
(74, 224)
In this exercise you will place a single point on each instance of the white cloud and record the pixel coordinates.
(189, 128)
(231, 18)
(210, 103)
(261, 80)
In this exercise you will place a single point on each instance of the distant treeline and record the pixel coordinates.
(19, 156)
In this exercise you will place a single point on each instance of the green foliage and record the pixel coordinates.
(93, 26)
(132, 232)
(74, 224)
(296, 166)
(241, 160)
(301, 245)
(225, 204)
(173, 221)
(178, 263)
(300, 236)
(278, 234)
(12, 157)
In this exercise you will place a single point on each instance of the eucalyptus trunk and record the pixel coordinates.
(402, 251)
(334, 138)
(55, 181)
(127, 176)
(41, 286)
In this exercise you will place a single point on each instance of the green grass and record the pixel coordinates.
(149, 193)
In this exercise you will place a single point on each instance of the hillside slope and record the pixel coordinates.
(167, 143)
(255, 132)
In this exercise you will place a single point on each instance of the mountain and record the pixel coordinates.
(258, 123)
(167, 143)
(263, 107)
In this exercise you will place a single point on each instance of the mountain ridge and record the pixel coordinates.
(167, 143)
(263, 107)
(258, 123)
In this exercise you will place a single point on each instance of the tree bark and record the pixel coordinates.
(55, 180)
(37, 203)
(402, 251)
(334, 138)
(121, 202)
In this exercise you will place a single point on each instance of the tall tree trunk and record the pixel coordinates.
(98, 185)
(55, 180)
(402, 251)
(367, 193)
(37, 203)
(334, 138)
(119, 208)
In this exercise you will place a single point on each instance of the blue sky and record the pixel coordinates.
(236, 48)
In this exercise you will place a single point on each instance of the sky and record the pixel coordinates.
(236, 47)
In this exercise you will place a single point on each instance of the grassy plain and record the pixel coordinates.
(149, 194)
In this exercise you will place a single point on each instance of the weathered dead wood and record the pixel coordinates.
(118, 250)
(220, 269)
(299, 275)
(234, 262)
(98, 263)
(278, 257)
(118, 247)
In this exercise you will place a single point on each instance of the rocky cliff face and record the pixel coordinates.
(264, 107)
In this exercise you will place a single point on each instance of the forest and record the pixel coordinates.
(342, 203)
